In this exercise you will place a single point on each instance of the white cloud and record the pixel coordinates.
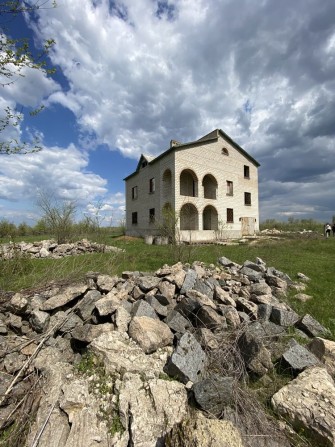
(60, 171)
(141, 73)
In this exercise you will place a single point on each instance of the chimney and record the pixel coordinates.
(174, 143)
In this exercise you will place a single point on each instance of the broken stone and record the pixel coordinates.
(198, 431)
(284, 317)
(189, 281)
(187, 361)
(324, 350)
(308, 403)
(64, 297)
(299, 358)
(310, 326)
(256, 357)
(150, 334)
(177, 322)
(143, 309)
(39, 320)
(18, 304)
(214, 394)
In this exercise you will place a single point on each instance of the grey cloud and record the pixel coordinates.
(264, 72)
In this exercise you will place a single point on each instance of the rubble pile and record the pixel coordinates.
(162, 359)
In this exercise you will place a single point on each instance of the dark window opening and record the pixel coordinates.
(134, 192)
(246, 171)
(230, 215)
(247, 198)
(152, 215)
(134, 218)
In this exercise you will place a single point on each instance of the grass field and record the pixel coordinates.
(313, 257)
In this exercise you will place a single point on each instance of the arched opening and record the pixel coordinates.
(210, 186)
(167, 184)
(189, 217)
(188, 183)
(210, 218)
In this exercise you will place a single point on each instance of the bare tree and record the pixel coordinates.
(58, 215)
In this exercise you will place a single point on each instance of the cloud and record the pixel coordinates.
(57, 171)
(142, 73)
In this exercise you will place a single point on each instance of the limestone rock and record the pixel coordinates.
(18, 304)
(122, 319)
(57, 429)
(167, 290)
(147, 283)
(198, 431)
(150, 334)
(88, 332)
(324, 350)
(82, 409)
(87, 304)
(105, 283)
(64, 297)
(119, 354)
(150, 408)
(308, 402)
(39, 320)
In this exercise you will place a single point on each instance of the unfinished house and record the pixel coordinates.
(206, 190)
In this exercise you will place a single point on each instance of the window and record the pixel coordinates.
(229, 188)
(134, 192)
(224, 151)
(152, 185)
(144, 164)
(246, 172)
(230, 215)
(152, 215)
(247, 198)
(134, 218)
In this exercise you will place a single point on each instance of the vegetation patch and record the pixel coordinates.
(102, 385)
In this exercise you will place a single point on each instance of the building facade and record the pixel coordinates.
(206, 189)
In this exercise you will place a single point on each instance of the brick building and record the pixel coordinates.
(210, 186)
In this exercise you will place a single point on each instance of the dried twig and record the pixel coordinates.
(36, 440)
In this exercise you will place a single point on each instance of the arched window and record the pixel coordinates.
(210, 218)
(188, 183)
(189, 219)
(210, 186)
(224, 151)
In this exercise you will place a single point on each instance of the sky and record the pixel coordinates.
(131, 75)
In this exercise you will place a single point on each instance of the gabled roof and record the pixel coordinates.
(144, 159)
(212, 136)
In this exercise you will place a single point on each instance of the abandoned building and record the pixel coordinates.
(204, 190)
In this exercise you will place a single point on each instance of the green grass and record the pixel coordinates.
(313, 257)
